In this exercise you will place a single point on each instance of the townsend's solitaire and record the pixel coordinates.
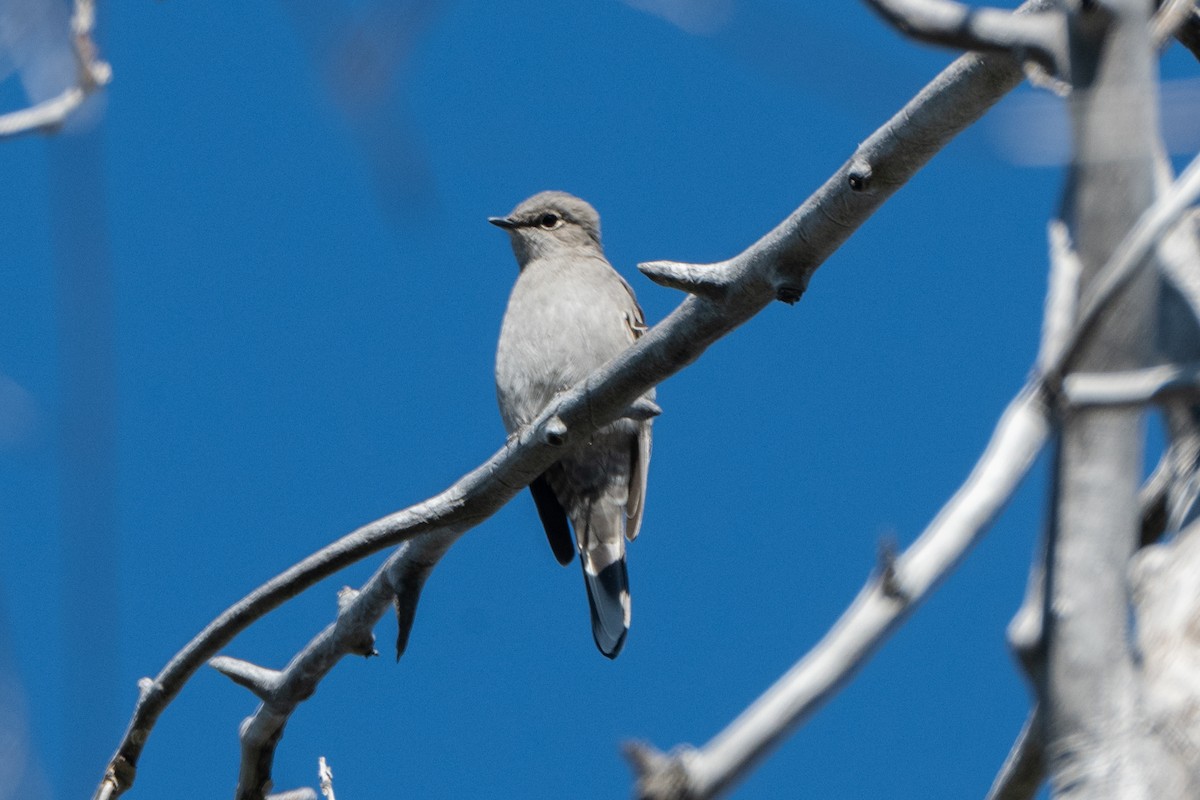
(570, 313)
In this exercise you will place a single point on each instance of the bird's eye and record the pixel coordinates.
(549, 221)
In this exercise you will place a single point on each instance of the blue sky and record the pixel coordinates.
(291, 200)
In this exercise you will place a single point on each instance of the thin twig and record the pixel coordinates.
(402, 575)
(1058, 318)
(325, 774)
(1134, 387)
(91, 74)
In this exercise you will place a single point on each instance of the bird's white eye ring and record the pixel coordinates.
(549, 221)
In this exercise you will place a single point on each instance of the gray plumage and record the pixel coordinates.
(569, 313)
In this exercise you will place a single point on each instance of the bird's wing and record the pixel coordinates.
(635, 318)
(639, 469)
(554, 520)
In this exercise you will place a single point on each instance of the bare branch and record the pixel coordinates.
(1039, 37)
(1058, 319)
(294, 794)
(642, 409)
(325, 774)
(1087, 688)
(888, 570)
(659, 774)
(1026, 630)
(709, 281)
(263, 682)
(91, 75)
(1134, 387)
(1129, 258)
(1027, 633)
(44, 116)
(706, 280)
(400, 579)
(555, 432)
(1178, 256)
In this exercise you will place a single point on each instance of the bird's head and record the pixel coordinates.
(549, 223)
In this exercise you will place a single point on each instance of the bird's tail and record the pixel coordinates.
(602, 553)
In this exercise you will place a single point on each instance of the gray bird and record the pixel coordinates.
(570, 313)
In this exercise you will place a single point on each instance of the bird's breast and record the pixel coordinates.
(560, 326)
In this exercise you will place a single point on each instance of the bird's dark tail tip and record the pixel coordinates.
(609, 601)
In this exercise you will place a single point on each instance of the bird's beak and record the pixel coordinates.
(503, 222)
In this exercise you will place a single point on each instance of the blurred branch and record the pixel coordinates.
(1040, 37)
(325, 774)
(1024, 769)
(1188, 27)
(294, 794)
(1130, 257)
(22, 776)
(1058, 317)
(1027, 628)
(92, 73)
(1169, 20)
(1179, 341)
(362, 50)
(1087, 678)
(1133, 388)
(1167, 220)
